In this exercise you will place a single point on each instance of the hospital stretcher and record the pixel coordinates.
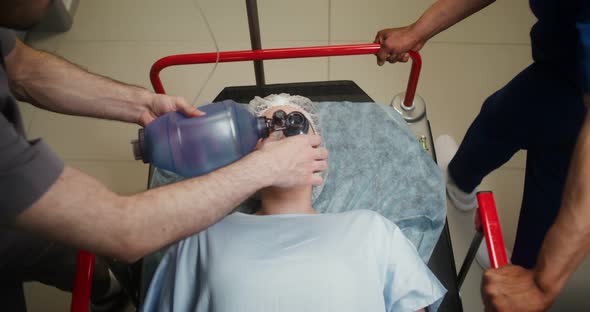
(408, 104)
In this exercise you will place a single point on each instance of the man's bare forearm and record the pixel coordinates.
(80, 211)
(444, 14)
(207, 200)
(568, 240)
(55, 84)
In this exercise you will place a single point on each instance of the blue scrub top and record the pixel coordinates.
(561, 36)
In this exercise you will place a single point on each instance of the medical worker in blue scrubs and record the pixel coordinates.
(543, 111)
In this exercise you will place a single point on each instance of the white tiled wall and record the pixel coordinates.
(122, 38)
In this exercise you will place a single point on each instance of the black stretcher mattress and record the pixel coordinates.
(442, 261)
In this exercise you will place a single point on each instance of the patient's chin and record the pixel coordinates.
(276, 193)
(264, 193)
(268, 192)
(279, 193)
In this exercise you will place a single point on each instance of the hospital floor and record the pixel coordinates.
(122, 38)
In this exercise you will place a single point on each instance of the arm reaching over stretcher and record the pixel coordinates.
(396, 42)
(64, 204)
(52, 83)
(513, 288)
(80, 211)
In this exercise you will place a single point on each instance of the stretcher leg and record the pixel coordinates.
(83, 282)
(477, 238)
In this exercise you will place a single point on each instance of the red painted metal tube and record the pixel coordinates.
(490, 224)
(85, 267)
(274, 54)
(83, 282)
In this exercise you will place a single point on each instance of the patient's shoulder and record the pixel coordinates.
(364, 213)
(377, 232)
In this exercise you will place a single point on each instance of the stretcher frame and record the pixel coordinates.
(487, 223)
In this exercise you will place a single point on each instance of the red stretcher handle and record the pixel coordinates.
(85, 266)
(490, 224)
(83, 282)
(275, 54)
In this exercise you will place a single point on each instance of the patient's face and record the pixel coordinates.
(275, 190)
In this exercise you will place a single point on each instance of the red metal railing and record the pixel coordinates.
(275, 54)
(488, 215)
(490, 225)
(83, 282)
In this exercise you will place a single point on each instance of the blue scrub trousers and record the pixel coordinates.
(541, 110)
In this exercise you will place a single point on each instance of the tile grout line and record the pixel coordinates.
(329, 35)
(176, 41)
(470, 43)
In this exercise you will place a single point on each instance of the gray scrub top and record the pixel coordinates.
(27, 168)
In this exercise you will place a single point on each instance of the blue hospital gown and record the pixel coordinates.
(351, 261)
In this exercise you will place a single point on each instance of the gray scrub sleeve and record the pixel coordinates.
(27, 169)
(7, 41)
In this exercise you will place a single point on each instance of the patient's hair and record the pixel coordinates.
(309, 109)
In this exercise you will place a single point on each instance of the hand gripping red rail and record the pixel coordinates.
(275, 54)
